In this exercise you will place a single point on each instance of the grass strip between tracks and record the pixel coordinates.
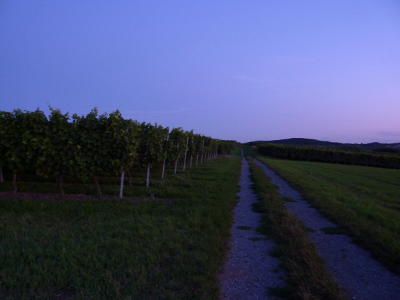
(306, 275)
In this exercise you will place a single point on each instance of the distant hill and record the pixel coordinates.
(317, 143)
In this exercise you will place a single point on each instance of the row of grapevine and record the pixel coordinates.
(95, 145)
(330, 155)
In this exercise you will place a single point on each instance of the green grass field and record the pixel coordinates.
(365, 201)
(104, 249)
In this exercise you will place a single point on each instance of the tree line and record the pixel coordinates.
(94, 145)
(330, 155)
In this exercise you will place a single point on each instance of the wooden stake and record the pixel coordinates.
(121, 185)
(176, 167)
(148, 175)
(163, 170)
(15, 181)
(186, 150)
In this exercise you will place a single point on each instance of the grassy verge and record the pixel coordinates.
(102, 249)
(134, 186)
(307, 277)
(364, 201)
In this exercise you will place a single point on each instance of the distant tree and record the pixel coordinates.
(330, 155)
(387, 150)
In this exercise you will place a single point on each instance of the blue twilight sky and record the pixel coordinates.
(237, 69)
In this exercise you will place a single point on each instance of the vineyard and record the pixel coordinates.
(329, 155)
(87, 148)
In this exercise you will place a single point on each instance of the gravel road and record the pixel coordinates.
(249, 269)
(356, 271)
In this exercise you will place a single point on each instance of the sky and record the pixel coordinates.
(231, 69)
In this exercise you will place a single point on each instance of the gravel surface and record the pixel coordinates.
(249, 269)
(356, 271)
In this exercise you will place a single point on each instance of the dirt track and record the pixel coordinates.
(356, 271)
(249, 269)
